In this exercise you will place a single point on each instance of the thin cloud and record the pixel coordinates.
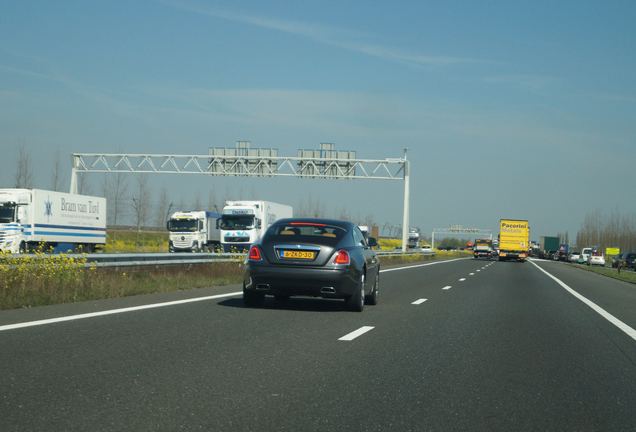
(337, 37)
(532, 82)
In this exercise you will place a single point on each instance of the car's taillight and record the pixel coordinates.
(342, 257)
(255, 254)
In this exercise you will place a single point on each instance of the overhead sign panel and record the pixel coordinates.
(326, 162)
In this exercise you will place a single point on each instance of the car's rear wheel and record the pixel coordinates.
(372, 299)
(356, 301)
(252, 299)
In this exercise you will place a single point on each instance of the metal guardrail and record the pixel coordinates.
(154, 259)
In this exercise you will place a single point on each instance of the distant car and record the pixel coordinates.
(626, 260)
(596, 258)
(313, 257)
(585, 255)
(574, 256)
(427, 249)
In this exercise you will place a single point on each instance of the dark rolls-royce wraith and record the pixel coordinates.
(313, 257)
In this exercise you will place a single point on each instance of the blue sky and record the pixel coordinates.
(520, 109)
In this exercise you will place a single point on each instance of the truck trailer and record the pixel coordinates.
(243, 223)
(32, 218)
(514, 239)
(194, 231)
(549, 245)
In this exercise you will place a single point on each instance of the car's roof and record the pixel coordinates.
(333, 222)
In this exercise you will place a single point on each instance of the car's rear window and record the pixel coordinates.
(305, 232)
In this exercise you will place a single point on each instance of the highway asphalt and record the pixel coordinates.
(462, 345)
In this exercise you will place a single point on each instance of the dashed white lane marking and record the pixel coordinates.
(471, 274)
(478, 270)
(419, 302)
(447, 287)
(422, 265)
(354, 334)
(462, 279)
(596, 308)
(115, 311)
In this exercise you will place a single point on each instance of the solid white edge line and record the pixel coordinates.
(419, 301)
(599, 310)
(114, 311)
(422, 265)
(354, 334)
(447, 287)
(158, 305)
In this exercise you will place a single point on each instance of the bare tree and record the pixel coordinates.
(615, 230)
(56, 177)
(163, 208)
(115, 188)
(196, 205)
(83, 186)
(212, 201)
(141, 201)
(24, 171)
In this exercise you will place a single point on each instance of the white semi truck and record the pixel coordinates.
(413, 241)
(244, 222)
(193, 231)
(63, 221)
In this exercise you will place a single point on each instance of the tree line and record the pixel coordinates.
(615, 229)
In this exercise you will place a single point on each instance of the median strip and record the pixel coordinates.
(354, 334)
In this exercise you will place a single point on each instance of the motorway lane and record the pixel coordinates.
(505, 349)
(615, 296)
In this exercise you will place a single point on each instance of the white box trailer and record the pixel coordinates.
(30, 217)
(243, 223)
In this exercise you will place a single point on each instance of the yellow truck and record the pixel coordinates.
(514, 239)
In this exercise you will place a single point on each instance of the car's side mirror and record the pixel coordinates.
(372, 242)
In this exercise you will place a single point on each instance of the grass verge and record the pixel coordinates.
(36, 281)
(624, 275)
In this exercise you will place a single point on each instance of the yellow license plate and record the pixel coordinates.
(292, 254)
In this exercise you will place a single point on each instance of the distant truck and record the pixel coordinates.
(482, 248)
(563, 252)
(30, 218)
(243, 223)
(549, 246)
(514, 239)
(413, 240)
(193, 231)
